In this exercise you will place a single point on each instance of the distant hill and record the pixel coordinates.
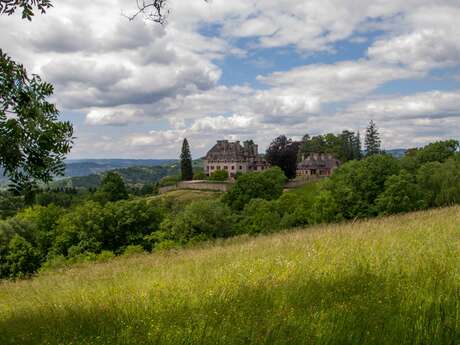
(87, 167)
(397, 153)
(84, 167)
(132, 176)
(134, 173)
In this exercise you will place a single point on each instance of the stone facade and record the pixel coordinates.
(234, 158)
(317, 165)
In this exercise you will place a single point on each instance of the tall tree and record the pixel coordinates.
(186, 162)
(357, 146)
(112, 188)
(283, 153)
(372, 142)
(33, 143)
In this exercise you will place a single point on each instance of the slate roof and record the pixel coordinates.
(225, 150)
(318, 161)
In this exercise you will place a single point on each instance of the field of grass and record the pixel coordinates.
(386, 281)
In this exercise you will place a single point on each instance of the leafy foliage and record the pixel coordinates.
(9, 204)
(282, 153)
(219, 175)
(345, 146)
(112, 188)
(259, 216)
(401, 194)
(439, 151)
(266, 185)
(356, 185)
(27, 6)
(33, 143)
(203, 219)
(93, 228)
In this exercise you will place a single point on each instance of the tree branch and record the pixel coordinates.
(153, 10)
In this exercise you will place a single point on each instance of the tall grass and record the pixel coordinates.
(387, 281)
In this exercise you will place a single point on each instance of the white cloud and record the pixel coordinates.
(137, 75)
(115, 116)
(422, 106)
(429, 39)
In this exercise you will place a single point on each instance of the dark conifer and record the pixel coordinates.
(372, 142)
(186, 162)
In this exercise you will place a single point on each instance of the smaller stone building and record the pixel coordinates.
(234, 157)
(317, 165)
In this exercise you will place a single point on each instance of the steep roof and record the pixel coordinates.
(225, 150)
(319, 161)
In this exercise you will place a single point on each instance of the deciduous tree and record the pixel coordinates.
(33, 143)
(282, 153)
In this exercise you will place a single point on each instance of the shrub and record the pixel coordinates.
(356, 185)
(199, 175)
(219, 175)
(133, 249)
(259, 216)
(401, 195)
(43, 222)
(208, 218)
(267, 185)
(440, 182)
(22, 258)
(439, 151)
(112, 188)
(92, 228)
(325, 209)
(169, 181)
(10, 205)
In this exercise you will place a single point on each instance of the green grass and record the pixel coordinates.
(188, 195)
(387, 281)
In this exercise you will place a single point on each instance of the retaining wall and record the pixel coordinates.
(198, 185)
(225, 186)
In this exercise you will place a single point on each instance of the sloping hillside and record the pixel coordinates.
(387, 281)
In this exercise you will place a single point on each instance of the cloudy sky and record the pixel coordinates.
(244, 69)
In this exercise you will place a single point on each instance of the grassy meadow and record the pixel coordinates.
(391, 280)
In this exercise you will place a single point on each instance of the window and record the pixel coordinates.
(233, 167)
(241, 167)
(212, 167)
(226, 167)
(218, 168)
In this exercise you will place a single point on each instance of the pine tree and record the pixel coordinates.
(186, 162)
(372, 142)
(357, 147)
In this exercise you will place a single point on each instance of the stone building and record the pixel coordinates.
(234, 157)
(317, 165)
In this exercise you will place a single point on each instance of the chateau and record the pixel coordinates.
(317, 164)
(234, 158)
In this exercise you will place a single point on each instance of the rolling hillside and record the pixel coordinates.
(89, 168)
(387, 281)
